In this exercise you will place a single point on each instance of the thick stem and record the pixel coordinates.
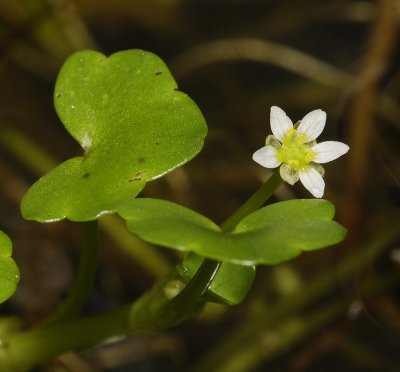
(21, 351)
(77, 296)
(192, 298)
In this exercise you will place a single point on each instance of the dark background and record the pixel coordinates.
(332, 310)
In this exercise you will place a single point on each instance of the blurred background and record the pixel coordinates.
(337, 309)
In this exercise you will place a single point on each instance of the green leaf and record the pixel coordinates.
(270, 235)
(9, 273)
(230, 285)
(133, 125)
(287, 211)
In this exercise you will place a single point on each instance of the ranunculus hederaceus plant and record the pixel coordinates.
(134, 125)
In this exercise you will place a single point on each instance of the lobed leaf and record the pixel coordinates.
(133, 125)
(270, 235)
(288, 211)
(9, 273)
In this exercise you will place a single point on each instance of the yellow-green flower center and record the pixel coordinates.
(294, 150)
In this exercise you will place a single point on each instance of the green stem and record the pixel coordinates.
(254, 202)
(77, 296)
(192, 298)
(193, 295)
(21, 351)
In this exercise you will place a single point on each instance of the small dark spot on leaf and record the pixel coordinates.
(157, 143)
(58, 95)
(137, 177)
(175, 89)
(86, 175)
(158, 72)
(141, 160)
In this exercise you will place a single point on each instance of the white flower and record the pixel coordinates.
(294, 149)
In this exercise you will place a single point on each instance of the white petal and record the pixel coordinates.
(266, 156)
(280, 122)
(313, 182)
(329, 150)
(312, 124)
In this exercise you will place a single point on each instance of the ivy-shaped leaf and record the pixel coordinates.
(287, 212)
(271, 235)
(9, 273)
(231, 283)
(133, 125)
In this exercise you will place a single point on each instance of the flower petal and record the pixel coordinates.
(329, 150)
(280, 122)
(313, 182)
(266, 156)
(312, 124)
